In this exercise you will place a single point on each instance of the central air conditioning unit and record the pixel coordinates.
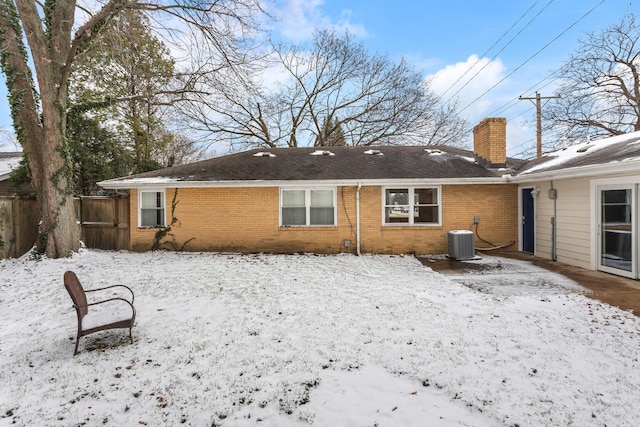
(461, 246)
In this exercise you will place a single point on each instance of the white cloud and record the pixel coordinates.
(297, 19)
(466, 81)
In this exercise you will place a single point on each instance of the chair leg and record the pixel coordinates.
(75, 351)
(130, 336)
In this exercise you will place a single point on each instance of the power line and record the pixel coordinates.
(503, 107)
(538, 100)
(533, 56)
(501, 50)
(519, 114)
(489, 50)
(509, 104)
(529, 141)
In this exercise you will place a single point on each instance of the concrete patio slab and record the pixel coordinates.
(498, 273)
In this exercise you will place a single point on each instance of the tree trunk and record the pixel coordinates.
(59, 223)
(41, 129)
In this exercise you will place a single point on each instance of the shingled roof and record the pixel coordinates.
(326, 164)
(389, 163)
(614, 152)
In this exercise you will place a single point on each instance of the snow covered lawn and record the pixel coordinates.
(270, 340)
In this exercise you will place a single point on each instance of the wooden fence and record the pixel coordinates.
(104, 223)
(18, 225)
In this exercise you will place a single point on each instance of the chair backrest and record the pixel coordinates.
(76, 292)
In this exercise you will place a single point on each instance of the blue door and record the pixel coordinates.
(528, 232)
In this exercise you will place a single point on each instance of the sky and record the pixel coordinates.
(510, 48)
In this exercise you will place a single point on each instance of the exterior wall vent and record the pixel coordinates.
(461, 245)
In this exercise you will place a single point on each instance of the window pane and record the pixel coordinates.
(151, 199)
(426, 196)
(151, 209)
(425, 214)
(318, 204)
(616, 214)
(321, 198)
(321, 216)
(152, 217)
(397, 197)
(617, 232)
(293, 198)
(396, 214)
(294, 216)
(617, 196)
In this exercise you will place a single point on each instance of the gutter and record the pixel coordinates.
(358, 218)
(176, 183)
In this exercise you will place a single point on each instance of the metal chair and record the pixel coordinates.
(95, 321)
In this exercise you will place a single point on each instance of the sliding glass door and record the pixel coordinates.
(617, 221)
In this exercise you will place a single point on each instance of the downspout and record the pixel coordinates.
(358, 218)
(553, 195)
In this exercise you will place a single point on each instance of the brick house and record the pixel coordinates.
(391, 199)
(579, 205)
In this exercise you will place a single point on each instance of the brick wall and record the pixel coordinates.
(490, 141)
(246, 220)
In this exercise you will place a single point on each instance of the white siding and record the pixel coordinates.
(573, 222)
(543, 213)
(575, 206)
(573, 226)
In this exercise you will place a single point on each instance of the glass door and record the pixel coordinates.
(617, 230)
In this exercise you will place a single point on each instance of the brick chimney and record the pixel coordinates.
(490, 141)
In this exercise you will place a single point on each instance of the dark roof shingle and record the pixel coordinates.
(344, 163)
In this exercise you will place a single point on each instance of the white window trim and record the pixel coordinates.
(596, 185)
(164, 203)
(411, 189)
(307, 203)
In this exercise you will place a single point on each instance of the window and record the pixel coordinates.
(412, 206)
(151, 209)
(307, 207)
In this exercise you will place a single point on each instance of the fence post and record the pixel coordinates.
(6, 228)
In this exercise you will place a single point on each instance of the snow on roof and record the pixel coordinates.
(253, 167)
(323, 153)
(556, 159)
(9, 162)
(152, 180)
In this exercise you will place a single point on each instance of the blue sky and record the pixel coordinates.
(444, 39)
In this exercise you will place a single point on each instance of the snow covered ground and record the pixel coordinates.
(274, 340)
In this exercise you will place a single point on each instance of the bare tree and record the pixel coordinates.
(332, 85)
(39, 105)
(600, 91)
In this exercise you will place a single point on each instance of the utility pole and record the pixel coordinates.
(538, 104)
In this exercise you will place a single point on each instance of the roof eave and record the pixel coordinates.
(591, 171)
(128, 184)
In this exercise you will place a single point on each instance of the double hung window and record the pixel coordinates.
(412, 206)
(307, 207)
(152, 208)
